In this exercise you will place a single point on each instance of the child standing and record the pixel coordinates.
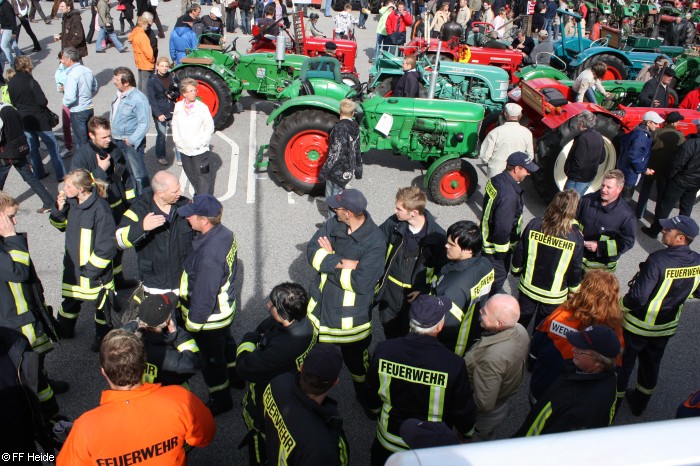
(344, 22)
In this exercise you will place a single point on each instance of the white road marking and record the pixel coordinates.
(290, 198)
(233, 171)
(252, 152)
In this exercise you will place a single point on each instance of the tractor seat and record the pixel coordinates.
(197, 61)
(554, 96)
(321, 67)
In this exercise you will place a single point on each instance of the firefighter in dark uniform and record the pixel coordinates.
(416, 253)
(348, 252)
(584, 397)
(84, 215)
(22, 306)
(417, 377)
(653, 306)
(106, 162)
(172, 355)
(277, 346)
(608, 224)
(502, 214)
(302, 423)
(162, 239)
(208, 297)
(466, 281)
(548, 259)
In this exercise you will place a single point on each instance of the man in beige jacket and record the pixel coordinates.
(503, 140)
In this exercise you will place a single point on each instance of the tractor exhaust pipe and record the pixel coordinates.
(434, 73)
(280, 51)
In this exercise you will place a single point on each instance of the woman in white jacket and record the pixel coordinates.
(193, 127)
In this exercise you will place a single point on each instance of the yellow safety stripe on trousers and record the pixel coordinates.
(42, 344)
(346, 279)
(28, 331)
(20, 300)
(540, 421)
(540, 295)
(98, 262)
(46, 394)
(318, 258)
(117, 270)
(333, 335)
(60, 225)
(19, 256)
(401, 284)
(85, 246)
(122, 237)
(246, 346)
(231, 364)
(130, 194)
(218, 388)
(646, 391)
(131, 215)
(636, 326)
(189, 345)
(116, 204)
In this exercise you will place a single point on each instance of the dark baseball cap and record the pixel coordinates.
(155, 309)
(324, 361)
(330, 45)
(674, 117)
(521, 159)
(205, 205)
(349, 199)
(427, 434)
(426, 311)
(669, 72)
(685, 225)
(598, 338)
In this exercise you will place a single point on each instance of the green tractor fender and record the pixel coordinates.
(304, 102)
(221, 69)
(540, 71)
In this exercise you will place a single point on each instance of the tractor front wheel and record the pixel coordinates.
(617, 71)
(553, 148)
(298, 149)
(452, 182)
(213, 91)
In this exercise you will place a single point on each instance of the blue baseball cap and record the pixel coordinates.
(426, 311)
(598, 338)
(348, 199)
(685, 225)
(205, 205)
(521, 159)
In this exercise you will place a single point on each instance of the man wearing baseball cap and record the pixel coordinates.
(348, 253)
(212, 24)
(584, 396)
(501, 218)
(653, 307)
(657, 91)
(682, 183)
(208, 298)
(635, 152)
(406, 373)
(172, 355)
(302, 423)
(504, 140)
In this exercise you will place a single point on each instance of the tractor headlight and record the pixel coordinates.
(459, 137)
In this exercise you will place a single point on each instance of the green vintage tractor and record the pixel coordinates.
(438, 133)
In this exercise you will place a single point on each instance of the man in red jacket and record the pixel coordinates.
(396, 24)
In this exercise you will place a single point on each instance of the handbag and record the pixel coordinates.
(121, 7)
(109, 28)
(53, 118)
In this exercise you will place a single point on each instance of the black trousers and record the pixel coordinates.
(673, 194)
(379, 454)
(649, 350)
(100, 307)
(219, 348)
(529, 307)
(356, 358)
(24, 23)
(501, 267)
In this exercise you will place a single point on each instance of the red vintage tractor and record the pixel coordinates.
(298, 43)
(549, 112)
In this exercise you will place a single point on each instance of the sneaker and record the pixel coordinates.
(48, 22)
(124, 50)
(34, 21)
(59, 387)
(36, 49)
(43, 210)
(65, 153)
(178, 162)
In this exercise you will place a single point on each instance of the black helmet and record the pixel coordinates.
(313, 16)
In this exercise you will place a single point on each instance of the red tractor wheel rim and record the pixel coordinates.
(208, 96)
(305, 154)
(612, 74)
(454, 185)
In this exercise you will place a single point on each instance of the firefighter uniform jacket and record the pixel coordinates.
(299, 431)
(120, 189)
(207, 294)
(467, 283)
(576, 401)
(161, 252)
(172, 358)
(654, 303)
(340, 299)
(613, 227)
(269, 351)
(17, 302)
(417, 377)
(502, 216)
(549, 266)
(90, 248)
(404, 271)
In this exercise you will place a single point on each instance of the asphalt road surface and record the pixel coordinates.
(273, 228)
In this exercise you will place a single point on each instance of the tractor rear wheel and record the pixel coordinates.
(213, 91)
(452, 182)
(298, 149)
(617, 71)
(352, 81)
(553, 148)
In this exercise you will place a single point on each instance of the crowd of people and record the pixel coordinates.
(456, 347)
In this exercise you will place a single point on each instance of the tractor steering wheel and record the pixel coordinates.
(231, 46)
(617, 95)
(602, 42)
(358, 95)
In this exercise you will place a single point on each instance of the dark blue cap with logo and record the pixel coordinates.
(205, 205)
(426, 311)
(685, 225)
(598, 338)
(521, 159)
(348, 199)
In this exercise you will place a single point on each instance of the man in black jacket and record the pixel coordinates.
(586, 154)
(657, 91)
(682, 185)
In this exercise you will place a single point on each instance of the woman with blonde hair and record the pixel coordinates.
(162, 93)
(548, 259)
(82, 212)
(595, 303)
(441, 17)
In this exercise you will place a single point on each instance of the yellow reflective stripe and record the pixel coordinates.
(46, 394)
(218, 388)
(457, 312)
(98, 262)
(657, 301)
(349, 298)
(28, 331)
(189, 345)
(246, 346)
(437, 401)
(130, 194)
(85, 245)
(122, 236)
(333, 335)
(42, 344)
(612, 247)
(131, 215)
(19, 256)
(20, 301)
(540, 421)
(346, 323)
(318, 258)
(646, 391)
(346, 279)
(403, 285)
(60, 225)
(116, 204)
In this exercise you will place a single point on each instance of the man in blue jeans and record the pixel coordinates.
(130, 117)
(78, 90)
